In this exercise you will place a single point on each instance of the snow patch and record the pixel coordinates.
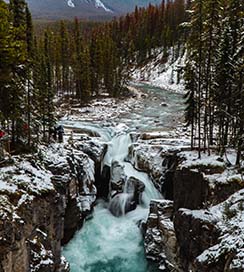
(99, 4)
(71, 4)
(166, 75)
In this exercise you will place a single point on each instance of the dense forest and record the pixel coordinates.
(214, 74)
(73, 60)
(76, 61)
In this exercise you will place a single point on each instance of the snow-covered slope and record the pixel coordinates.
(164, 72)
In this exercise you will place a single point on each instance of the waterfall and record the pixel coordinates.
(121, 203)
(109, 243)
(117, 148)
(112, 242)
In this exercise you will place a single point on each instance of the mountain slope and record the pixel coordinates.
(67, 9)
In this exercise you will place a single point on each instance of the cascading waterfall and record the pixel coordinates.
(108, 243)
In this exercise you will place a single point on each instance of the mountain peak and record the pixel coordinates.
(96, 3)
(91, 9)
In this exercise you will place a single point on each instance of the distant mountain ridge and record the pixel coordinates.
(67, 9)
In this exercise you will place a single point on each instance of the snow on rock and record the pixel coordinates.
(220, 178)
(225, 246)
(25, 177)
(152, 152)
(164, 72)
(160, 240)
(207, 239)
(44, 199)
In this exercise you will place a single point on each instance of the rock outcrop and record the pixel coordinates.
(74, 179)
(96, 151)
(199, 226)
(190, 189)
(31, 226)
(44, 199)
(160, 239)
(195, 232)
(125, 192)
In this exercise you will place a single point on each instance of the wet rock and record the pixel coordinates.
(126, 192)
(87, 131)
(64, 265)
(169, 165)
(146, 158)
(122, 203)
(103, 183)
(118, 178)
(96, 151)
(135, 187)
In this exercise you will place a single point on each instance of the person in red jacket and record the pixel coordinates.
(2, 133)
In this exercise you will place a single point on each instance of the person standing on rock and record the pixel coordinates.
(60, 132)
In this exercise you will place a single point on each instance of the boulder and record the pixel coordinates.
(121, 204)
(135, 187)
(118, 178)
(96, 151)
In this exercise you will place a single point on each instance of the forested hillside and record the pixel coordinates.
(214, 74)
(74, 62)
(78, 61)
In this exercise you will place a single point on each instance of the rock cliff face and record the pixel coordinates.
(43, 200)
(160, 239)
(190, 189)
(197, 228)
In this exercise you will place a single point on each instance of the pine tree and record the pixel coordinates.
(195, 60)
(65, 58)
(86, 75)
(210, 39)
(7, 57)
(190, 99)
(29, 42)
(77, 59)
(17, 89)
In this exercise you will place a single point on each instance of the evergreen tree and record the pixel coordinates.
(195, 60)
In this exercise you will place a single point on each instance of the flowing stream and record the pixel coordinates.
(114, 244)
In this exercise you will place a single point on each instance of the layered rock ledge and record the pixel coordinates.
(199, 227)
(44, 199)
